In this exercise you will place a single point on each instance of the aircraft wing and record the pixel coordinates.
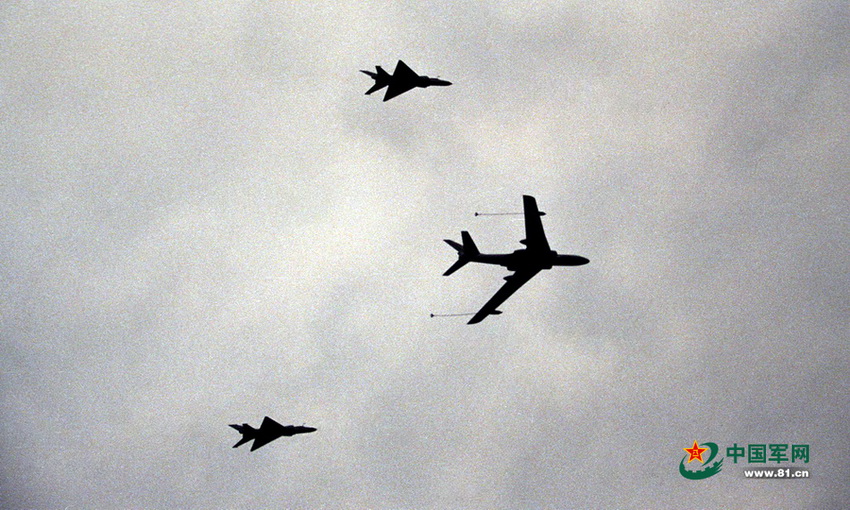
(402, 71)
(513, 282)
(402, 80)
(269, 431)
(535, 237)
(261, 440)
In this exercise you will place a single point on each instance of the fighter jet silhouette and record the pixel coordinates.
(524, 262)
(402, 80)
(268, 432)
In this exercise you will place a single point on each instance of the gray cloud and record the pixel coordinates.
(207, 222)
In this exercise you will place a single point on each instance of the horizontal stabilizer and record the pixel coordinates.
(381, 77)
(242, 441)
(465, 252)
(248, 433)
(457, 265)
(454, 244)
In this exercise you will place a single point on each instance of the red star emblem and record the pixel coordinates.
(695, 452)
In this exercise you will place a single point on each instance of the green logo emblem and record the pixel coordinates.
(707, 469)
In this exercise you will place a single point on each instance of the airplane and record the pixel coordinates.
(402, 80)
(527, 262)
(268, 432)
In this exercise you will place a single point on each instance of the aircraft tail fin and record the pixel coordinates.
(469, 247)
(248, 433)
(465, 251)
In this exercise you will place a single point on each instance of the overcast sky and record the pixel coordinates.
(206, 221)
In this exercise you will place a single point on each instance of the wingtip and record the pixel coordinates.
(481, 316)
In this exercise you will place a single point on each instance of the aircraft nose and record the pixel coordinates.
(582, 261)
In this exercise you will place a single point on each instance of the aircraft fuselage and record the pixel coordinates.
(426, 81)
(291, 430)
(523, 259)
